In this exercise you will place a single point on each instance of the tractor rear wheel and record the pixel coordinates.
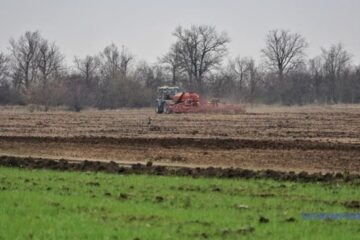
(158, 110)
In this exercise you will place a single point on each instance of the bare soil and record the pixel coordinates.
(311, 139)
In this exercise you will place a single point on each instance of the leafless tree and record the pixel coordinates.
(4, 79)
(238, 67)
(173, 62)
(284, 51)
(150, 76)
(25, 52)
(125, 58)
(355, 89)
(246, 76)
(201, 48)
(49, 61)
(336, 63)
(253, 79)
(4, 68)
(88, 68)
(110, 61)
(49, 66)
(115, 63)
(316, 75)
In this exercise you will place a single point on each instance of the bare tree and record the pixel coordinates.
(125, 58)
(246, 76)
(110, 61)
(4, 77)
(253, 79)
(25, 52)
(201, 49)
(49, 61)
(336, 63)
(88, 68)
(239, 68)
(355, 89)
(284, 51)
(150, 76)
(114, 62)
(49, 65)
(316, 75)
(4, 68)
(173, 61)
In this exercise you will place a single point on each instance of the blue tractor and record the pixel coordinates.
(165, 95)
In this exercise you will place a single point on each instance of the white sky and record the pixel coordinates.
(82, 27)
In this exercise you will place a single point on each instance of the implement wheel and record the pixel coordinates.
(166, 108)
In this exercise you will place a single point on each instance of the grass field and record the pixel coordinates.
(43, 204)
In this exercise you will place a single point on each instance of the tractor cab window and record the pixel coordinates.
(167, 96)
(167, 93)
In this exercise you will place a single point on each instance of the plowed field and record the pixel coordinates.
(313, 139)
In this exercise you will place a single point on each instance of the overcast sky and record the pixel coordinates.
(82, 27)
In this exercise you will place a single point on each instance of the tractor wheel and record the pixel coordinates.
(158, 110)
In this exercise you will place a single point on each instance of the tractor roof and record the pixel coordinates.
(168, 87)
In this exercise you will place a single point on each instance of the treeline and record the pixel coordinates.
(33, 71)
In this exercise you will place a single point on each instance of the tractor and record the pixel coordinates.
(172, 100)
(165, 96)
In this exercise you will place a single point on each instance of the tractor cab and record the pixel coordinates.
(165, 96)
(166, 93)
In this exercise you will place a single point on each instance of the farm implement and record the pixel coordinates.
(171, 100)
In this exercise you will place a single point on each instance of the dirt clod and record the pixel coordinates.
(263, 219)
(96, 184)
(159, 199)
(123, 196)
(290, 219)
(246, 230)
(352, 204)
(216, 189)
